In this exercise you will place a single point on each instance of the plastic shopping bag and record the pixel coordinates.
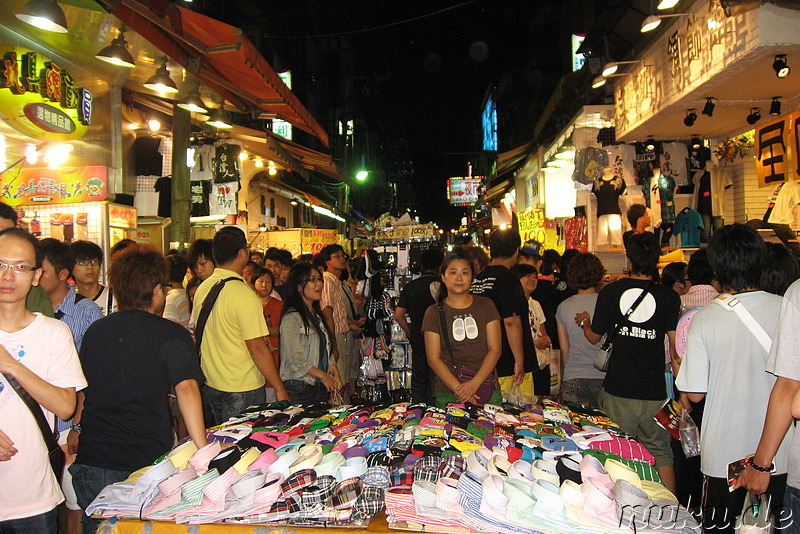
(690, 435)
(755, 517)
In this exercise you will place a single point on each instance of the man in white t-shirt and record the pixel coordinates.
(724, 362)
(40, 354)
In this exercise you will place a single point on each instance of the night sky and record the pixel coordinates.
(419, 88)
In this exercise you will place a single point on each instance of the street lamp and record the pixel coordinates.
(362, 175)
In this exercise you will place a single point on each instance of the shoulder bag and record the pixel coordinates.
(54, 452)
(730, 303)
(603, 355)
(205, 310)
(484, 392)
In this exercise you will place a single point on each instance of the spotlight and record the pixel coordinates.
(754, 116)
(696, 143)
(690, 118)
(651, 145)
(780, 67)
(598, 82)
(294, 202)
(650, 23)
(160, 81)
(45, 15)
(775, 107)
(708, 109)
(117, 52)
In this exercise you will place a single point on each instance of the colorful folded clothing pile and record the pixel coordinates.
(554, 468)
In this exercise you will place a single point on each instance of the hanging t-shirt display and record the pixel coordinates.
(673, 162)
(608, 193)
(652, 197)
(644, 162)
(698, 157)
(621, 159)
(201, 170)
(199, 192)
(146, 158)
(223, 199)
(688, 224)
(589, 165)
(702, 182)
(164, 188)
(226, 163)
(666, 191)
(165, 149)
(575, 233)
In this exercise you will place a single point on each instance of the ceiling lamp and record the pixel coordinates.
(612, 66)
(690, 118)
(651, 144)
(193, 102)
(219, 119)
(667, 4)
(160, 81)
(775, 107)
(598, 82)
(154, 125)
(696, 142)
(117, 52)
(44, 14)
(293, 202)
(780, 66)
(754, 116)
(654, 21)
(708, 109)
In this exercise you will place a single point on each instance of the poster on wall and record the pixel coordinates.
(65, 185)
(314, 240)
(776, 150)
(533, 226)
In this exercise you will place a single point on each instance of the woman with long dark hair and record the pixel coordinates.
(464, 362)
(308, 369)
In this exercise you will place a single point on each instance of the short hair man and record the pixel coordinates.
(200, 258)
(40, 354)
(257, 257)
(634, 386)
(724, 363)
(339, 309)
(518, 357)
(279, 261)
(234, 354)
(86, 273)
(133, 360)
(37, 300)
(415, 298)
(701, 275)
(639, 219)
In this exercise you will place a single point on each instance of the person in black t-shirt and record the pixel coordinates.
(517, 362)
(133, 360)
(634, 388)
(416, 297)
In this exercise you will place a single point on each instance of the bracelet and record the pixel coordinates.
(759, 468)
(76, 428)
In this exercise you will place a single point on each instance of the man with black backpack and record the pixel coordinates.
(231, 333)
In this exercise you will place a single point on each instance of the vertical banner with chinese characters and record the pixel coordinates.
(776, 150)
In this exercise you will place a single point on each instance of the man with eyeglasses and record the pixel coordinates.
(40, 354)
(233, 350)
(86, 273)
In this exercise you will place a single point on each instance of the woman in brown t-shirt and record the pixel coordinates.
(472, 325)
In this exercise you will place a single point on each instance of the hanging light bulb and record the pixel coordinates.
(193, 102)
(154, 125)
(161, 81)
(219, 119)
(258, 162)
(271, 169)
(243, 156)
(44, 14)
(117, 52)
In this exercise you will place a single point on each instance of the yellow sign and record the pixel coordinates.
(533, 226)
(40, 98)
(121, 216)
(314, 240)
(42, 185)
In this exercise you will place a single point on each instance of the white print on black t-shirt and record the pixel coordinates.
(644, 311)
(635, 331)
(464, 326)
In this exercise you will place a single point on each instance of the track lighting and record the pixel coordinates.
(775, 107)
(219, 119)
(754, 116)
(690, 118)
(193, 102)
(160, 81)
(117, 52)
(44, 14)
(708, 109)
(780, 66)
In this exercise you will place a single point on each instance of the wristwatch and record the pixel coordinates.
(76, 428)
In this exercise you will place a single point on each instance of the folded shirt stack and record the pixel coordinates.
(553, 468)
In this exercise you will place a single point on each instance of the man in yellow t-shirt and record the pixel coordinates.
(234, 354)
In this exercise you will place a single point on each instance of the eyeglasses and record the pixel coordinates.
(84, 263)
(18, 268)
(314, 279)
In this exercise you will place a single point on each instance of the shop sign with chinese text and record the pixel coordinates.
(40, 98)
(464, 191)
(65, 185)
(313, 240)
(777, 150)
(533, 226)
(121, 216)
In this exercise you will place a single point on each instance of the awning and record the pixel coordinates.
(219, 55)
(507, 161)
(265, 180)
(498, 190)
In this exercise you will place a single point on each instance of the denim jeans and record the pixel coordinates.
(790, 515)
(88, 481)
(226, 404)
(302, 393)
(45, 523)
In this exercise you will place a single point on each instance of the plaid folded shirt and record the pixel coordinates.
(319, 492)
(370, 502)
(402, 476)
(298, 481)
(452, 466)
(346, 493)
(377, 476)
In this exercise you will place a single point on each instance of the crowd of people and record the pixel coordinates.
(174, 344)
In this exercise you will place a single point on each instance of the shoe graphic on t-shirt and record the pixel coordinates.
(471, 327)
(458, 329)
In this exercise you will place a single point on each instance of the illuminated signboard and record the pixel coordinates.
(39, 98)
(577, 59)
(65, 185)
(281, 127)
(489, 125)
(464, 191)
